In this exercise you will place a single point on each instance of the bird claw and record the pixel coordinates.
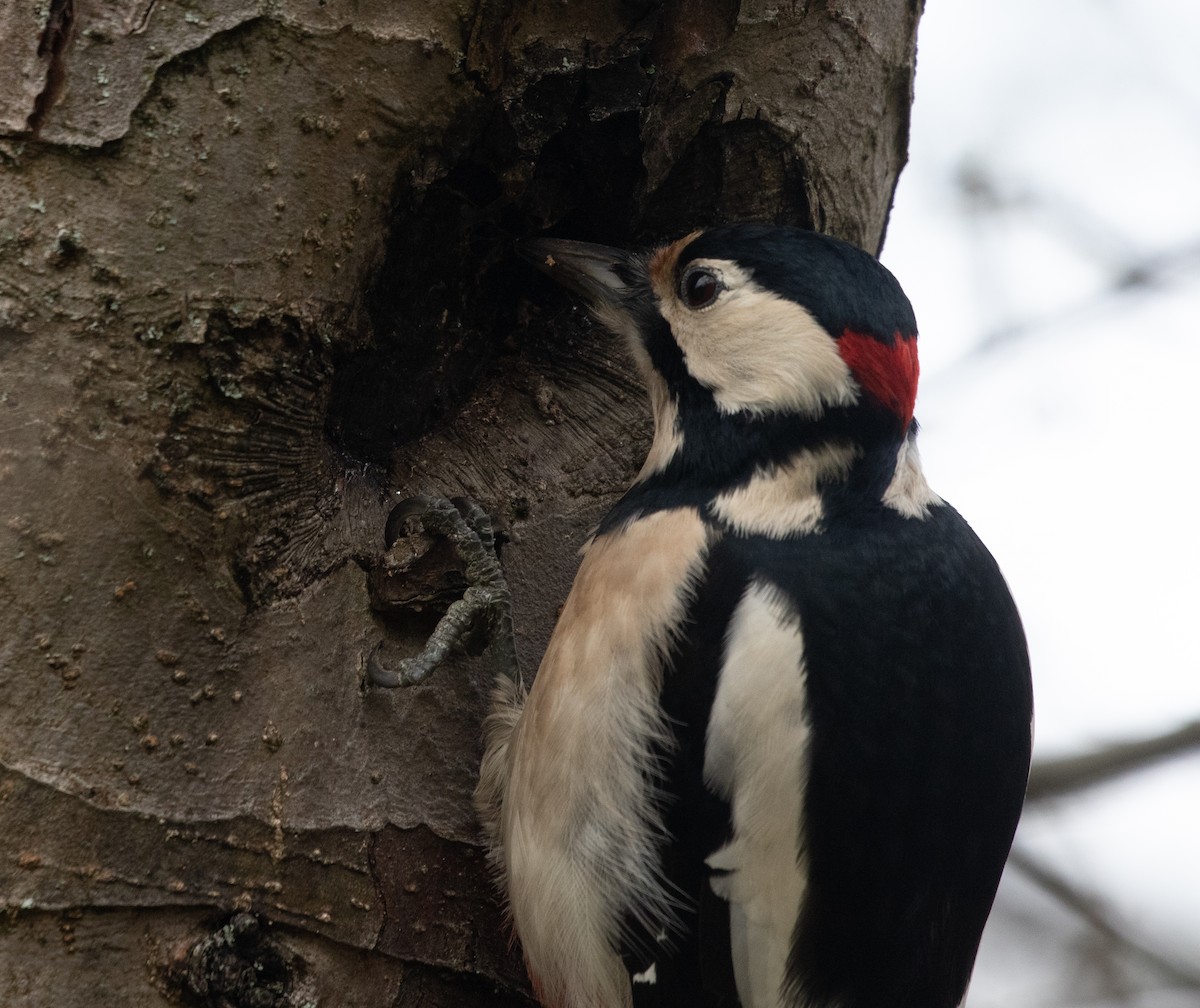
(406, 672)
(485, 605)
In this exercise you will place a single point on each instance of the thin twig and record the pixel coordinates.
(1051, 778)
(1091, 910)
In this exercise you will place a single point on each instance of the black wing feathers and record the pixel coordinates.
(919, 701)
(919, 706)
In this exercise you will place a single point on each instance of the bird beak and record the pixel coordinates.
(595, 271)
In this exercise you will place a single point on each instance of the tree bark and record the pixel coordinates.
(256, 285)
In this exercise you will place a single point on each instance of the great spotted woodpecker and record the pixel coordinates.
(777, 747)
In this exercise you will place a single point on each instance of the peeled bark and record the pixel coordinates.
(256, 284)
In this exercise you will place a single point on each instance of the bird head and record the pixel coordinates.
(756, 341)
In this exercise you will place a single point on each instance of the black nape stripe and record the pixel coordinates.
(724, 451)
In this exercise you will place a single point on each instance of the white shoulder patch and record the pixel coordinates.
(755, 758)
(579, 820)
(908, 491)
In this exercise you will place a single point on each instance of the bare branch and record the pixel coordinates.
(1092, 910)
(1051, 778)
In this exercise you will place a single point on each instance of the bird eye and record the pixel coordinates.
(699, 288)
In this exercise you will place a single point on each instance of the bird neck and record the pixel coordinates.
(775, 474)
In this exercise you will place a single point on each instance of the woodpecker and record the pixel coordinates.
(776, 750)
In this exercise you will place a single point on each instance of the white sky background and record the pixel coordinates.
(1058, 411)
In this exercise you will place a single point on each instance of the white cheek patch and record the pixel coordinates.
(755, 350)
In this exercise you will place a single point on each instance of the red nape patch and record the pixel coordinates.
(888, 373)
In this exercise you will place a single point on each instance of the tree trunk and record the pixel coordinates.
(256, 284)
